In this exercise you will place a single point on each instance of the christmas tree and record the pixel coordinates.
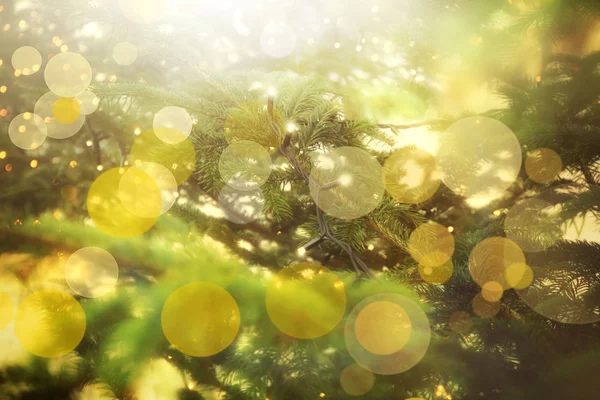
(284, 200)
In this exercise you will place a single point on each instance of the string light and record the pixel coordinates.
(371, 247)
(322, 395)
(33, 163)
(310, 245)
(497, 212)
(450, 229)
(337, 45)
(89, 143)
(99, 167)
(73, 164)
(2, 155)
(3, 89)
(137, 131)
(3, 112)
(8, 167)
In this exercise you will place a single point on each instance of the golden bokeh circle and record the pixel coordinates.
(50, 323)
(489, 260)
(164, 179)
(139, 193)
(27, 131)
(533, 225)
(543, 165)
(66, 110)
(68, 74)
(382, 327)
(179, 158)
(144, 11)
(108, 212)
(461, 322)
(410, 353)
(7, 310)
(241, 206)
(26, 60)
(356, 381)
(45, 108)
(436, 268)
(91, 272)
(431, 244)
(306, 300)
(492, 291)
(169, 119)
(245, 165)
(346, 182)
(484, 308)
(250, 121)
(88, 102)
(519, 275)
(411, 175)
(200, 319)
(479, 157)
(125, 53)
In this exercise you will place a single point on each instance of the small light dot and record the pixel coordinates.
(137, 131)
(73, 164)
(8, 167)
(322, 395)
(3, 89)
(450, 229)
(33, 163)
(99, 167)
(2, 155)
(371, 247)
(337, 45)
(89, 143)
(497, 213)
(538, 78)
(359, 48)
(301, 251)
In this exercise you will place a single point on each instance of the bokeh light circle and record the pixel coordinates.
(306, 300)
(278, 40)
(241, 206)
(50, 323)
(382, 327)
(484, 308)
(356, 381)
(200, 319)
(68, 74)
(411, 352)
(27, 131)
(436, 268)
(431, 245)
(164, 180)
(532, 224)
(519, 275)
(108, 212)
(245, 165)
(125, 53)
(66, 110)
(169, 119)
(346, 182)
(489, 260)
(492, 291)
(411, 175)
(45, 108)
(139, 193)
(461, 322)
(88, 102)
(26, 60)
(479, 157)
(144, 11)
(7, 310)
(543, 165)
(179, 158)
(91, 272)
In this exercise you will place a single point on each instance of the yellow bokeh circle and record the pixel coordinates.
(484, 308)
(436, 268)
(7, 310)
(26, 60)
(306, 300)
(489, 260)
(91, 272)
(88, 102)
(46, 108)
(356, 381)
(144, 11)
(411, 175)
(27, 131)
(346, 182)
(519, 275)
(179, 157)
(169, 119)
(139, 193)
(479, 156)
(431, 244)
(543, 165)
(68, 74)
(398, 338)
(461, 322)
(105, 206)
(492, 291)
(200, 319)
(50, 323)
(245, 165)
(382, 327)
(124, 53)
(66, 110)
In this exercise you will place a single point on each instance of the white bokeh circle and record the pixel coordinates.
(91, 272)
